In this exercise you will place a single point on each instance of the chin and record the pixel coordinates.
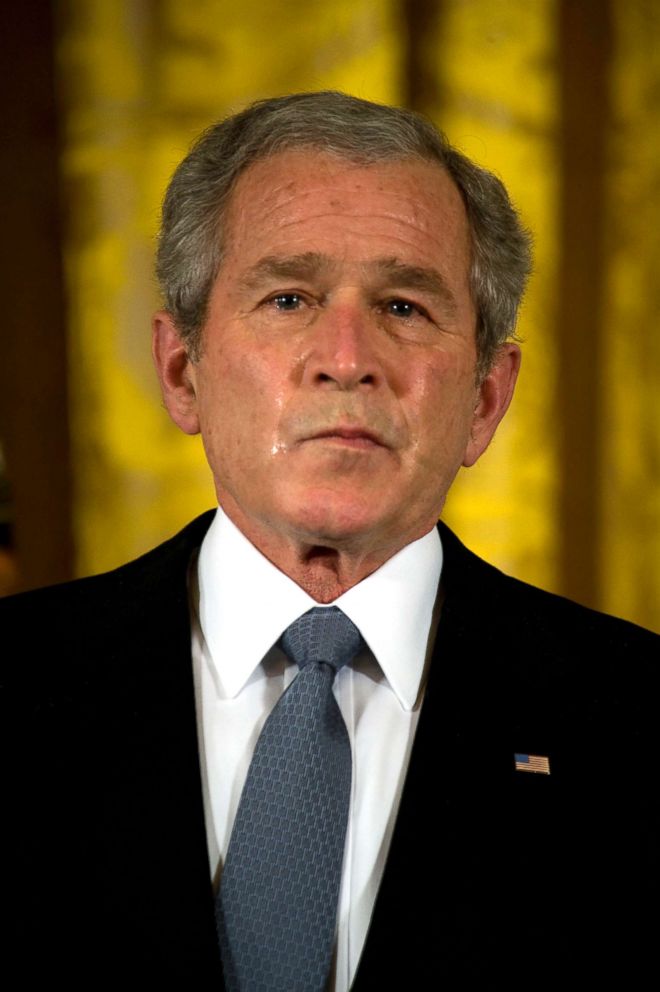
(335, 523)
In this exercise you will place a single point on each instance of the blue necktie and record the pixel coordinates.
(277, 906)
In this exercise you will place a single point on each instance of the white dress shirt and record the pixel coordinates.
(241, 604)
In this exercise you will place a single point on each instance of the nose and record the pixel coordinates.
(344, 351)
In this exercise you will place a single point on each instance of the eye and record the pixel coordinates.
(287, 308)
(286, 302)
(404, 309)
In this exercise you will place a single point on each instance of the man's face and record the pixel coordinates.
(336, 391)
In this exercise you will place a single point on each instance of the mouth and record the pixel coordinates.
(350, 437)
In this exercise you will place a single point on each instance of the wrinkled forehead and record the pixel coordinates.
(310, 180)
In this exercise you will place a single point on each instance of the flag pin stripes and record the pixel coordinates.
(538, 763)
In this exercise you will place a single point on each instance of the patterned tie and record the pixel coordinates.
(277, 906)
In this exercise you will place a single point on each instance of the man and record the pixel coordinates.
(340, 290)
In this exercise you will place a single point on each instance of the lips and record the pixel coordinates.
(343, 425)
(353, 436)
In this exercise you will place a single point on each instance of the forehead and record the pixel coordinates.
(309, 199)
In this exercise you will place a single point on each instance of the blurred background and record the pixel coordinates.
(561, 98)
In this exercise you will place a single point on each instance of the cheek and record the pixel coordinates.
(240, 403)
(444, 405)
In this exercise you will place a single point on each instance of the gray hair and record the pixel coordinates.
(191, 242)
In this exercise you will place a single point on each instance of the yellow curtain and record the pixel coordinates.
(630, 552)
(497, 81)
(139, 80)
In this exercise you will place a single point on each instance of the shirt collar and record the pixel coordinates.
(246, 603)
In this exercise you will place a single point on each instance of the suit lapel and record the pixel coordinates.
(459, 761)
(152, 839)
(483, 856)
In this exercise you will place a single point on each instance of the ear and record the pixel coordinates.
(176, 373)
(493, 398)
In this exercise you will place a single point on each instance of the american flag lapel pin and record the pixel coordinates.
(538, 763)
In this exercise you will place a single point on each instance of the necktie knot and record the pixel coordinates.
(323, 634)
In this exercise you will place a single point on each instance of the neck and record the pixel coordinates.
(325, 573)
(325, 569)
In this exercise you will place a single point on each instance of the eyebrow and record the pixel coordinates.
(307, 265)
(310, 264)
(426, 280)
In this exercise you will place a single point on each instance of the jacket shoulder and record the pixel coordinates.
(107, 615)
(526, 614)
(145, 576)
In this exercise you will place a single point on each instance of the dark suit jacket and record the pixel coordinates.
(495, 878)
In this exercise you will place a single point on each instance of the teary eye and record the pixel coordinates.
(287, 301)
(402, 308)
